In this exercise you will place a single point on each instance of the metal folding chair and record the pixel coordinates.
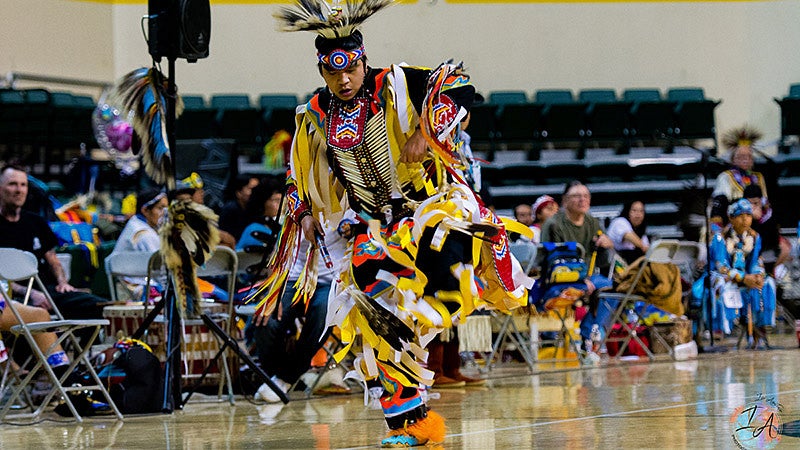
(557, 308)
(127, 264)
(525, 251)
(22, 267)
(662, 251)
(508, 332)
(223, 263)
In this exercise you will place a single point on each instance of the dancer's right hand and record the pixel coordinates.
(311, 226)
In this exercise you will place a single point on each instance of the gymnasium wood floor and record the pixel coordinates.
(702, 403)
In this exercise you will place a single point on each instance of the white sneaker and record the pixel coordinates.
(268, 395)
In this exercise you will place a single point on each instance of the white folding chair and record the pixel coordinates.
(525, 251)
(22, 267)
(661, 251)
(223, 263)
(127, 264)
(66, 263)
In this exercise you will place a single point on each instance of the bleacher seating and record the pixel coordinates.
(694, 114)
(652, 117)
(278, 112)
(564, 118)
(610, 139)
(238, 119)
(607, 118)
(790, 118)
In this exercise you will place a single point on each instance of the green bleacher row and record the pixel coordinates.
(601, 117)
(507, 119)
(615, 171)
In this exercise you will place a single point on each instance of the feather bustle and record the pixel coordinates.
(143, 91)
(189, 235)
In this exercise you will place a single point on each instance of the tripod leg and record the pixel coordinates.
(205, 373)
(230, 342)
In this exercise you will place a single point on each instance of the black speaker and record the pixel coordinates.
(179, 28)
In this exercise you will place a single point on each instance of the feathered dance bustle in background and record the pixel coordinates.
(189, 236)
(331, 21)
(143, 91)
(744, 135)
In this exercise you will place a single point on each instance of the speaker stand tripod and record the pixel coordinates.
(229, 342)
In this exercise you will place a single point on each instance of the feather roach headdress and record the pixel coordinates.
(339, 44)
(744, 135)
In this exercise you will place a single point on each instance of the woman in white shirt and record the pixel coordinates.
(627, 232)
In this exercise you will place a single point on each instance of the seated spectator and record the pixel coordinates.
(542, 209)
(524, 215)
(140, 234)
(775, 249)
(262, 212)
(27, 231)
(731, 183)
(627, 232)
(573, 223)
(232, 217)
(191, 188)
(738, 284)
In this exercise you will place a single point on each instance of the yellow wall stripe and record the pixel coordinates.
(267, 2)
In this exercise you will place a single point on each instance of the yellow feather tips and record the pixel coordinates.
(188, 235)
(516, 227)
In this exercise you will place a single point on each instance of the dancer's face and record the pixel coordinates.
(743, 158)
(346, 83)
(741, 222)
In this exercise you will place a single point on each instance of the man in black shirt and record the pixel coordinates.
(27, 231)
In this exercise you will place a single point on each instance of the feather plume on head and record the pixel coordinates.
(744, 135)
(339, 43)
(143, 91)
(189, 236)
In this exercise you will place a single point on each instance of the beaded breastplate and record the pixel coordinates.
(360, 148)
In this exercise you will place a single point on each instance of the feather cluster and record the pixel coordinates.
(189, 235)
(143, 92)
(383, 322)
(744, 135)
(329, 20)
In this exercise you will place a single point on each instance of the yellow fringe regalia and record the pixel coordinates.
(398, 319)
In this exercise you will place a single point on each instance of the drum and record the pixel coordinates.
(126, 319)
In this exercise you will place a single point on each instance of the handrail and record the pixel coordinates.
(12, 78)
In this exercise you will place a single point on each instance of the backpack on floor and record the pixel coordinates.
(134, 377)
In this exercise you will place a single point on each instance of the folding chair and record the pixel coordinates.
(125, 319)
(508, 332)
(223, 263)
(127, 264)
(525, 251)
(661, 251)
(563, 268)
(22, 267)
